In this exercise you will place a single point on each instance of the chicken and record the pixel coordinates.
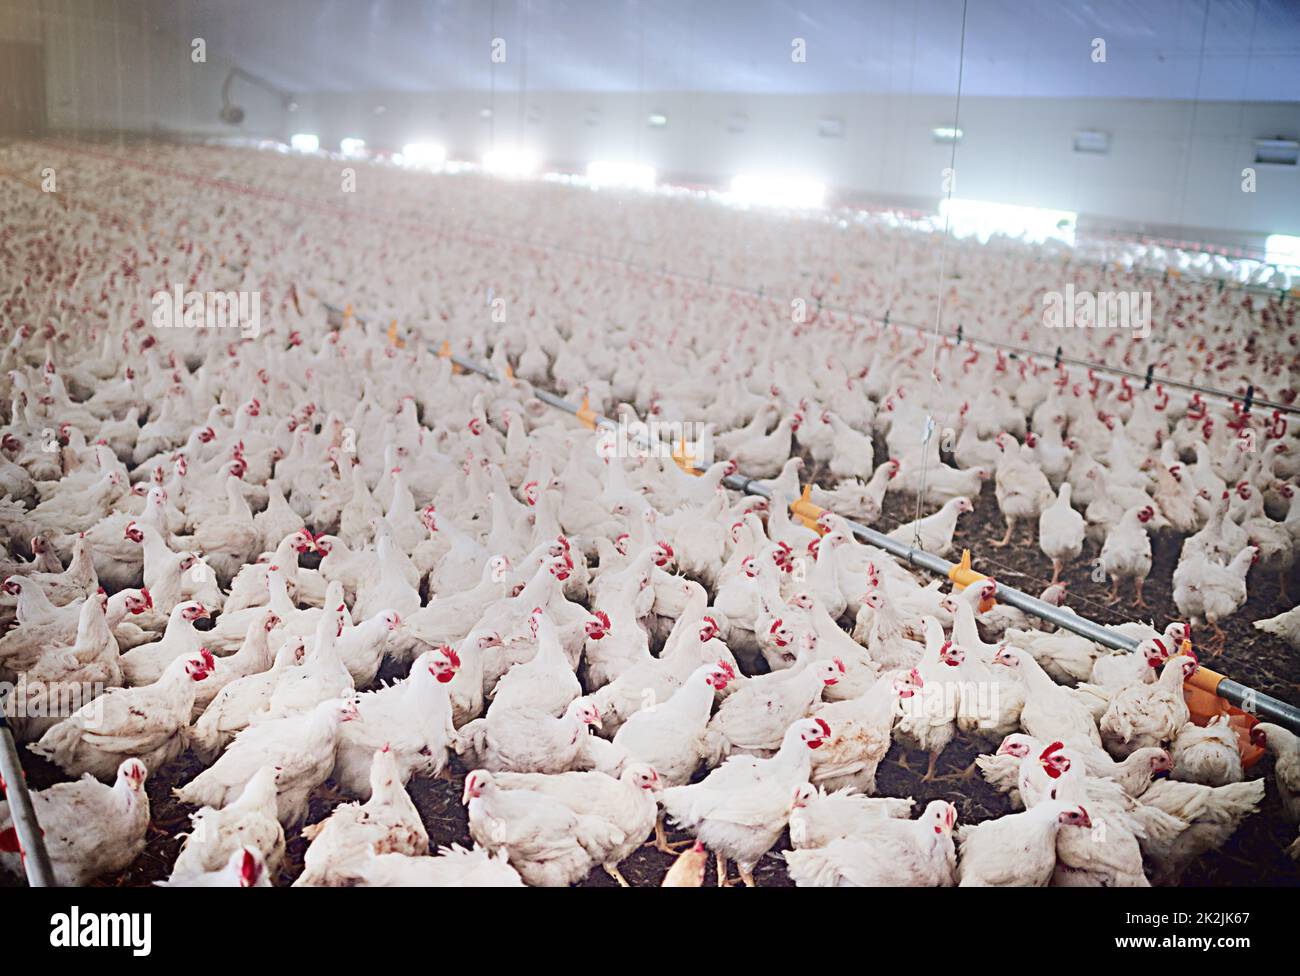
(245, 869)
(244, 699)
(1212, 815)
(300, 747)
(529, 741)
(627, 805)
(217, 834)
(1109, 855)
(89, 829)
(453, 867)
(763, 455)
(150, 723)
(1116, 671)
(1050, 712)
(323, 676)
(1060, 532)
(689, 869)
(1207, 754)
(63, 678)
(1206, 592)
(673, 736)
(145, 664)
(934, 532)
(928, 720)
(544, 683)
(546, 842)
(887, 853)
(1126, 553)
(861, 737)
(740, 808)
(754, 718)
(229, 540)
(1148, 715)
(1017, 850)
(823, 817)
(1067, 657)
(1022, 489)
(1285, 746)
(1133, 774)
(386, 823)
(409, 720)
(253, 657)
(1284, 625)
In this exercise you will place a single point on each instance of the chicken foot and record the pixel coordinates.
(965, 776)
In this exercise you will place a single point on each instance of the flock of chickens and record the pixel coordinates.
(323, 562)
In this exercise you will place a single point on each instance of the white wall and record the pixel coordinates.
(108, 70)
(1013, 151)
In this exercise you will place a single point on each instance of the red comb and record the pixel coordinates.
(1047, 754)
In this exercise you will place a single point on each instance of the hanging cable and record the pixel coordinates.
(951, 181)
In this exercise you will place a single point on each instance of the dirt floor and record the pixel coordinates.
(1255, 855)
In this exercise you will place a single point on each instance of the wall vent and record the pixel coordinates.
(1089, 141)
(1277, 152)
(830, 128)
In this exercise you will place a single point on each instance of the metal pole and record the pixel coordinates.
(31, 842)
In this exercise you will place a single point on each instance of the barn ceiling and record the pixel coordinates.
(1161, 49)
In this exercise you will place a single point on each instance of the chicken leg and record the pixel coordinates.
(721, 861)
(1220, 638)
(613, 872)
(747, 877)
(1137, 590)
(1056, 571)
(1006, 539)
(1114, 590)
(661, 842)
(929, 770)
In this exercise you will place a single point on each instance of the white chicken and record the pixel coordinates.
(89, 829)
(628, 806)
(1017, 850)
(886, 853)
(1060, 532)
(300, 747)
(386, 823)
(217, 834)
(409, 720)
(150, 723)
(740, 808)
